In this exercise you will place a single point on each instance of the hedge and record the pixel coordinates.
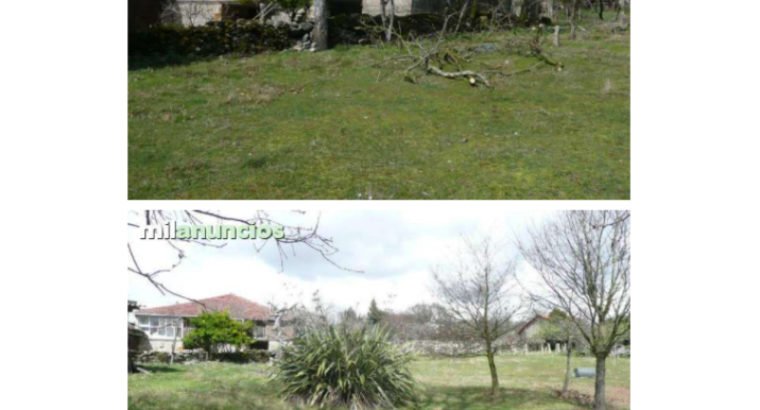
(215, 38)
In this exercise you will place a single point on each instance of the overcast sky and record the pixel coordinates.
(394, 248)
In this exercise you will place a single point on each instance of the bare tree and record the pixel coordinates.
(583, 263)
(265, 11)
(571, 10)
(560, 329)
(499, 11)
(189, 13)
(294, 235)
(465, 6)
(620, 5)
(600, 4)
(391, 18)
(476, 290)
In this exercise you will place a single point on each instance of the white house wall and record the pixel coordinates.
(373, 7)
(164, 345)
(198, 13)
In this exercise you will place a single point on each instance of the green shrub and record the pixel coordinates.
(215, 38)
(246, 356)
(215, 330)
(357, 368)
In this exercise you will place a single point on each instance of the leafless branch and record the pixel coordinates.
(294, 235)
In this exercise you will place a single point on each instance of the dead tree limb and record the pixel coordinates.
(511, 73)
(472, 76)
(431, 59)
(537, 50)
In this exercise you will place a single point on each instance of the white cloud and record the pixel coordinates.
(394, 248)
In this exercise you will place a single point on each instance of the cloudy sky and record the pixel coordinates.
(394, 248)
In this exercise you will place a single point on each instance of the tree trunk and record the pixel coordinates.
(382, 14)
(492, 367)
(461, 15)
(487, 334)
(567, 369)
(599, 399)
(174, 345)
(621, 12)
(555, 38)
(601, 9)
(389, 30)
(319, 33)
(573, 16)
(474, 12)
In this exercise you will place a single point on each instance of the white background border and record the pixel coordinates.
(694, 203)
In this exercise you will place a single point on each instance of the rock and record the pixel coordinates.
(485, 48)
(305, 26)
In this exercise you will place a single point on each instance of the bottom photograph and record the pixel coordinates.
(445, 307)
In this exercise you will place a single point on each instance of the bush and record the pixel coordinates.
(215, 330)
(216, 38)
(247, 356)
(358, 368)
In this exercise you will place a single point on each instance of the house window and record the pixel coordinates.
(186, 327)
(259, 332)
(160, 326)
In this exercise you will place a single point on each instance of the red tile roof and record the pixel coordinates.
(239, 308)
(530, 323)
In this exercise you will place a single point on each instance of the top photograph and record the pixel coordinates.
(379, 99)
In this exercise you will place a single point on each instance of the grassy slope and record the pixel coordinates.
(527, 383)
(343, 124)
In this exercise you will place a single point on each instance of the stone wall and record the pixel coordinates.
(198, 355)
(164, 357)
(439, 348)
(451, 348)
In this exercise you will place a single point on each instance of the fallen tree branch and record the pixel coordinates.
(472, 76)
(509, 74)
(537, 50)
(432, 59)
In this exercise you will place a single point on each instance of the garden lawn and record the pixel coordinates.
(343, 124)
(527, 382)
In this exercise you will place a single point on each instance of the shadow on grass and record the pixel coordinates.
(160, 368)
(460, 398)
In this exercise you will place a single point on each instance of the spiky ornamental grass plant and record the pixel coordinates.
(338, 366)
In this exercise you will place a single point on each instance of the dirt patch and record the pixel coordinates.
(617, 397)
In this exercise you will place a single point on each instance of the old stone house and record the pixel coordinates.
(167, 325)
(200, 12)
(404, 7)
(529, 336)
(534, 8)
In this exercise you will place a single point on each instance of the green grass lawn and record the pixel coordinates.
(343, 124)
(527, 382)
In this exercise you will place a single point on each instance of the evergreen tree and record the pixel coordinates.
(375, 315)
